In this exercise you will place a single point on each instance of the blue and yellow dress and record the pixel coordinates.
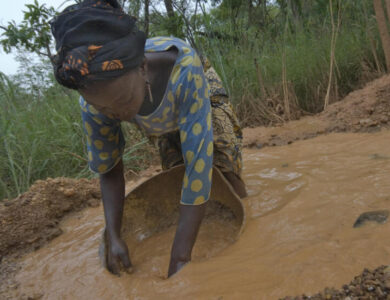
(185, 107)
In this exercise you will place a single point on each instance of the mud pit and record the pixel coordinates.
(303, 201)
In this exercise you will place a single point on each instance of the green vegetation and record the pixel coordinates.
(300, 46)
(43, 137)
(274, 58)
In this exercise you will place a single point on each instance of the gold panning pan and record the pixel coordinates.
(153, 206)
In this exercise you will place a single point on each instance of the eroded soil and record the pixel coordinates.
(32, 219)
(365, 110)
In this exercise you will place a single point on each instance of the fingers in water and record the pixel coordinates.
(125, 260)
(113, 265)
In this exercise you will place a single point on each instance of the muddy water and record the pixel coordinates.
(303, 200)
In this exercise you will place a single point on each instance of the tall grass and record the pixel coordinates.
(303, 54)
(44, 138)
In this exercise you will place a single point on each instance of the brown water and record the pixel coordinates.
(303, 200)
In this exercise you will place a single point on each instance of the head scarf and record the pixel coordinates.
(95, 40)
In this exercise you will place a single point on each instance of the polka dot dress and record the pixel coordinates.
(185, 107)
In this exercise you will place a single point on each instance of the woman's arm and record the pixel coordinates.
(112, 185)
(196, 138)
(189, 223)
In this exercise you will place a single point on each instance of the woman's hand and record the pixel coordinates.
(189, 222)
(117, 256)
(112, 185)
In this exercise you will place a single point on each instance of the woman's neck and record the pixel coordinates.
(159, 69)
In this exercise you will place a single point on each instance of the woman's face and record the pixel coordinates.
(121, 98)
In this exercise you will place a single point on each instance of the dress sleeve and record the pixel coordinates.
(105, 141)
(196, 135)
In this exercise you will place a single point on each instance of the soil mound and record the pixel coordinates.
(31, 219)
(370, 284)
(364, 110)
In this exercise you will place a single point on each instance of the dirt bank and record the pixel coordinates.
(364, 110)
(31, 220)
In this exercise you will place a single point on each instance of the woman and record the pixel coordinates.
(160, 85)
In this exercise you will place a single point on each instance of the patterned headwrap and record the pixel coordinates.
(95, 40)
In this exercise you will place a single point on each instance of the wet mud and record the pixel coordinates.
(304, 199)
(32, 220)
